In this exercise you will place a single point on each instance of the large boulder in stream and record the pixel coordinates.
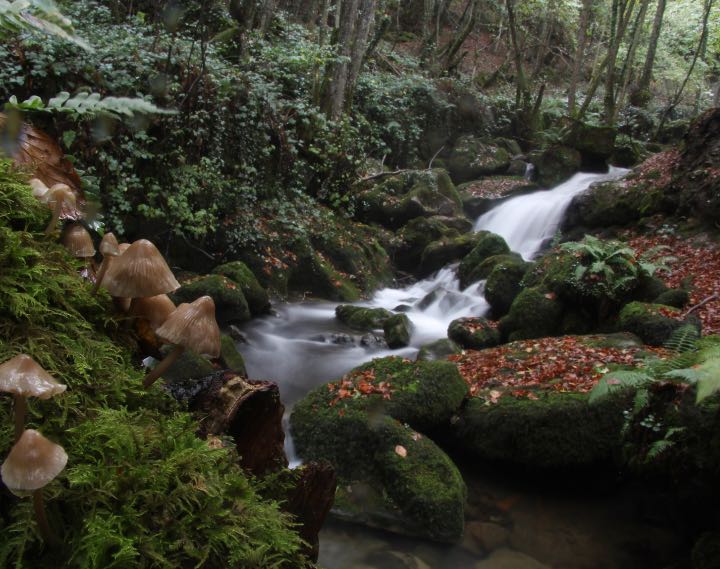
(474, 333)
(418, 233)
(488, 245)
(398, 329)
(372, 426)
(557, 164)
(472, 158)
(444, 251)
(504, 283)
(230, 303)
(256, 296)
(361, 317)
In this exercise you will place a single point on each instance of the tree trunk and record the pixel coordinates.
(630, 57)
(641, 93)
(621, 14)
(467, 25)
(582, 37)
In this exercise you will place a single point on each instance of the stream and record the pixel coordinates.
(509, 526)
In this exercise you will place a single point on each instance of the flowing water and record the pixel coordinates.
(302, 345)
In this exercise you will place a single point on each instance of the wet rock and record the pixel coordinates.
(503, 285)
(444, 251)
(342, 339)
(188, 366)
(654, 323)
(361, 317)
(397, 331)
(474, 333)
(438, 350)
(230, 358)
(472, 158)
(488, 245)
(250, 412)
(557, 164)
(371, 340)
(509, 559)
(230, 303)
(403, 308)
(257, 297)
(236, 334)
(483, 537)
(318, 338)
(534, 313)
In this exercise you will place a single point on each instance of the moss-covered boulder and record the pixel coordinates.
(474, 333)
(654, 323)
(416, 235)
(488, 245)
(534, 313)
(503, 284)
(358, 424)
(472, 158)
(675, 297)
(444, 251)
(398, 329)
(230, 303)
(256, 296)
(230, 357)
(557, 430)
(482, 270)
(557, 164)
(438, 350)
(362, 318)
(394, 200)
(594, 142)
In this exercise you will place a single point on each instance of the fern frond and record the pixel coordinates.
(616, 381)
(684, 339)
(90, 104)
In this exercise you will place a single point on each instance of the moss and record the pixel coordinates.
(675, 297)
(471, 158)
(504, 284)
(361, 318)
(557, 164)
(230, 303)
(482, 270)
(439, 253)
(397, 331)
(473, 333)
(139, 485)
(533, 314)
(256, 296)
(315, 275)
(488, 245)
(648, 322)
(230, 357)
(417, 234)
(188, 366)
(558, 430)
(438, 350)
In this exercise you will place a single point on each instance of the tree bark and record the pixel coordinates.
(641, 94)
(621, 14)
(582, 37)
(630, 58)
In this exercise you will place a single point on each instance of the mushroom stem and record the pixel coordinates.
(20, 412)
(163, 366)
(47, 534)
(101, 274)
(55, 216)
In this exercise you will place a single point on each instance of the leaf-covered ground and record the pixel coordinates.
(525, 368)
(496, 186)
(696, 265)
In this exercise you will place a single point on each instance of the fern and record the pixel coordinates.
(617, 381)
(42, 16)
(89, 105)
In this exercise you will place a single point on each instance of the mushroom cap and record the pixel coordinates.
(32, 463)
(58, 192)
(78, 241)
(22, 375)
(155, 309)
(39, 189)
(194, 327)
(109, 245)
(140, 271)
(123, 247)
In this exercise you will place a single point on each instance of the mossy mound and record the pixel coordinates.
(488, 245)
(472, 158)
(230, 357)
(595, 144)
(138, 481)
(558, 430)
(394, 200)
(362, 318)
(504, 284)
(675, 297)
(438, 350)
(482, 270)
(654, 323)
(557, 164)
(474, 333)
(444, 251)
(417, 234)
(397, 330)
(256, 296)
(533, 314)
(230, 303)
(359, 425)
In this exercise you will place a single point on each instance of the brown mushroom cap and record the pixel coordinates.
(32, 463)
(123, 247)
(77, 240)
(22, 375)
(155, 309)
(194, 327)
(61, 192)
(140, 271)
(109, 245)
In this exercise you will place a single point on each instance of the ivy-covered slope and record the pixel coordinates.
(140, 489)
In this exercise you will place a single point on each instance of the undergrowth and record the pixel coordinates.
(140, 489)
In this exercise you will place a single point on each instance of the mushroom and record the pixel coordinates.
(57, 195)
(77, 240)
(39, 190)
(190, 326)
(24, 377)
(155, 309)
(33, 463)
(139, 272)
(110, 249)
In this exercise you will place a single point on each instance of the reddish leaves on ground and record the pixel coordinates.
(359, 383)
(697, 262)
(494, 187)
(656, 172)
(522, 369)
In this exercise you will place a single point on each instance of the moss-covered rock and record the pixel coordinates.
(594, 142)
(397, 330)
(438, 350)
(654, 323)
(358, 425)
(533, 314)
(416, 235)
(675, 297)
(488, 245)
(256, 296)
(558, 430)
(482, 270)
(230, 303)
(444, 251)
(362, 318)
(230, 357)
(315, 275)
(503, 285)
(557, 164)
(474, 333)
(188, 366)
(394, 200)
(480, 196)
(472, 158)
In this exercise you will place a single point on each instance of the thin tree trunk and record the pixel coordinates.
(641, 93)
(582, 38)
(521, 86)
(451, 61)
(621, 14)
(630, 58)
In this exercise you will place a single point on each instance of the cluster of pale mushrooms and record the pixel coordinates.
(138, 278)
